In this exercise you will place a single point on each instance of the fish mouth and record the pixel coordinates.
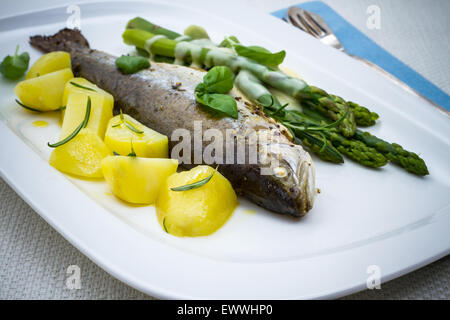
(285, 184)
(298, 181)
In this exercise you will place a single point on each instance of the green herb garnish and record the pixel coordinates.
(260, 55)
(82, 87)
(164, 225)
(27, 107)
(82, 125)
(195, 185)
(132, 64)
(212, 91)
(132, 128)
(127, 124)
(132, 153)
(14, 67)
(115, 153)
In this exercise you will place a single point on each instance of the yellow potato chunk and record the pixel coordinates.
(81, 156)
(149, 144)
(195, 212)
(48, 63)
(101, 113)
(72, 87)
(44, 92)
(137, 180)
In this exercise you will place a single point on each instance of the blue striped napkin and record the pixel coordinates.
(356, 43)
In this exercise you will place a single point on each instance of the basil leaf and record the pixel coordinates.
(218, 80)
(132, 64)
(221, 103)
(200, 88)
(260, 55)
(228, 42)
(14, 67)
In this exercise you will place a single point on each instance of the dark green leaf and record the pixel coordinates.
(82, 125)
(132, 64)
(195, 185)
(221, 103)
(218, 80)
(260, 55)
(14, 67)
(115, 153)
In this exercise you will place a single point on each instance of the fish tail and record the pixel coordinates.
(64, 40)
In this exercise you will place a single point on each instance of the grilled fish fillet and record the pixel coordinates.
(162, 98)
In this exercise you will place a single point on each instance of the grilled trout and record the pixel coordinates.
(162, 97)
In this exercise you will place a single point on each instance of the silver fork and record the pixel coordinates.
(314, 25)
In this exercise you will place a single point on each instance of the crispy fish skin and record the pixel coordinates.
(162, 98)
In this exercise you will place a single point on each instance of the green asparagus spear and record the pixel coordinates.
(315, 144)
(297, 88)
(354, 149)
(196, 32)
(142, 24)
(363, 116)
(410, 161)
(357, 151)
(255, 91)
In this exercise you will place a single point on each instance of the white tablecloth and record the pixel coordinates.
(34, 258)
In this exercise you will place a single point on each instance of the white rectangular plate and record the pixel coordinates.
(387, 218)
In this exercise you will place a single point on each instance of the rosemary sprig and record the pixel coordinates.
(27, 107)
(195, 185)
(82, 125)
(132, 153)
(127, 124)
(164, 225)
(82, 87)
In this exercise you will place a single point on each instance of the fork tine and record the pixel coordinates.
(293, 19)
(307, 26)
(313, 21)
(310, 24)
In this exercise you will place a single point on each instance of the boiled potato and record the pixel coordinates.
(48, 63)
(101, 113)
(45, 92)
(71, 88)
(81, 156)
(149, 144)
(137, 180)
(195, 212)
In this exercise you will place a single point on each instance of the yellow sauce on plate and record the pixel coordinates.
(40, 124)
